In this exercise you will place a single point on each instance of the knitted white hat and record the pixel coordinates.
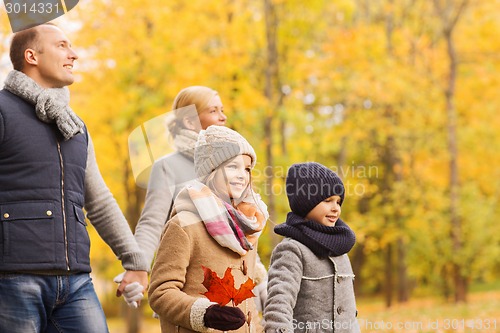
(216, 145)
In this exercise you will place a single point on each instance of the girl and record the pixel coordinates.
(215, 223)
(194, 108)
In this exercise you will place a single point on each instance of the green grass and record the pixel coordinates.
(490, 286)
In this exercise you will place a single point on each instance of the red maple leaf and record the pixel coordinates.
(222, 290)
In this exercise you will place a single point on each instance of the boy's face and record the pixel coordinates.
(327, 212)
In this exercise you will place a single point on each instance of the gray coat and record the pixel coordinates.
(169, 175)
(309, 294)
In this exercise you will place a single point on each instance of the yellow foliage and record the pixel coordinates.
(350, 93)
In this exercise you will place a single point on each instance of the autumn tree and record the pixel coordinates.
(450, 15)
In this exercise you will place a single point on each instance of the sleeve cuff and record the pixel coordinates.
(134, 261)
(197, 315)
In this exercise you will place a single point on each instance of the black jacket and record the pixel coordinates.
(42, 224)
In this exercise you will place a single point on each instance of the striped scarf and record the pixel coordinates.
(234, 228)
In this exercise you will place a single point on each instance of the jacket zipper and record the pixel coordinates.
(63, 206)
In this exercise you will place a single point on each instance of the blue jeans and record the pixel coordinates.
(49, 304)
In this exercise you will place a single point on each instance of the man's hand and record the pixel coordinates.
(132, 286)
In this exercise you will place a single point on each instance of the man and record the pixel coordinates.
(48, 174)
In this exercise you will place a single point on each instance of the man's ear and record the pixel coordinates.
(30, 57)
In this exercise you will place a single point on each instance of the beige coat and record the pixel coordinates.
(177, 276)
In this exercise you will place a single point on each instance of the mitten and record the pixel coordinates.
(224, 318)
(132, 293)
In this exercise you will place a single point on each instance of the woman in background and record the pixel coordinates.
(171, 172)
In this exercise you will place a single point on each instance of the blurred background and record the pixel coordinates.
(400, 98)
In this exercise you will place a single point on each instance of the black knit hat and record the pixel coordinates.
(307, 184)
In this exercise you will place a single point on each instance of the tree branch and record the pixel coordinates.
(461, 8)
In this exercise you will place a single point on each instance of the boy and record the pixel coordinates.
(310, 278)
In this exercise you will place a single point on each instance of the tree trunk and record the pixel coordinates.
(403, 287)
(394, 176)
(449, 22)
(456, 225)
(342, 156)
(358, 259)
(135, 198)
(389, 283)
(134, 320)
(272, 94)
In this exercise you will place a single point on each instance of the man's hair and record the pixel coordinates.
(21, 41)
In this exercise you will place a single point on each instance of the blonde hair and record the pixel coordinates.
(199, 96)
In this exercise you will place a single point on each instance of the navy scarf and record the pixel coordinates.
(322, 240)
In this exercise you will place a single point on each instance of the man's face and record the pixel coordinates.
(54, 58)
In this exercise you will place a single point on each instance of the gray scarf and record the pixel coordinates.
(51, 105)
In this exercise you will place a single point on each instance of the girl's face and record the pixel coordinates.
(233, 177)
(327, 212)
(213, 114)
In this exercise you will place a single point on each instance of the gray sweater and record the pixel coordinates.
(107, 218)
(309, 294)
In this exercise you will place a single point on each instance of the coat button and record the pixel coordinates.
(6, 215)
(49, 213)
(340, 310)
